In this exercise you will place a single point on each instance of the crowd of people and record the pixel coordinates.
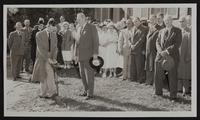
(139, 47)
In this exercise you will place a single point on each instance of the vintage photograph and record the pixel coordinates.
(131, 60)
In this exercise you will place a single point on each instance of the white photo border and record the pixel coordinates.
(192, 113)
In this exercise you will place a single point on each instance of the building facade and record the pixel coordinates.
(116, 14)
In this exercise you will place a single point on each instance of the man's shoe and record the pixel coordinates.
(89, 97)
(83, 94)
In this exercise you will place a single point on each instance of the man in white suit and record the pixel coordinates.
(125, 37)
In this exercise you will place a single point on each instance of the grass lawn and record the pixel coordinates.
(111, 94)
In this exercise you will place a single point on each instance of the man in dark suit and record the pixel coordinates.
(87, 46)
(16, 44)
(168, 43)
(137, 57)
(27, 53)
(151, 50)
(160, 23)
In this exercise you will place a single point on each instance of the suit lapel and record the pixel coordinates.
(171, 34)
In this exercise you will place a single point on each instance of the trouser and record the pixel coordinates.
(184, 85)
(149, 77)
(136, 70)
(48, 85)
(87, 76)
(160, 75)
(16, 64)
(27, 58)
(125, 66)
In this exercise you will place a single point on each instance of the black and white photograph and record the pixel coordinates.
(97, 60)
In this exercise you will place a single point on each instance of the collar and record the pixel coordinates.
(19, 32)
(84, 25)
(169, 29)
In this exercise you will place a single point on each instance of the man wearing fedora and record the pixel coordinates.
(167, 45)
(87, 46)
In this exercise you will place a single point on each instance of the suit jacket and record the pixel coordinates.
(151, 49)
(159, 27)
(124, 40)
(42, 54)
(33, 42)
(88, 43)
(27, 32)
(16, 43)
(139, 39)
(171, 43)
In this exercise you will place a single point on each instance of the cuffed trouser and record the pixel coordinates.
(184, 85)
(125, 66)
(27, 58)
(16, 64)
(149, 77)
(87, 76)
(160, 75)
(136, 70)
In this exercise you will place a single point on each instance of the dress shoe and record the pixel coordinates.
(42, 96)
(53, 97)
(89, 97)
(19, 77)
(83, 94)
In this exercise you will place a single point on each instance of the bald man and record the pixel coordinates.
(167, 44)
(87, 46)
(16, 44)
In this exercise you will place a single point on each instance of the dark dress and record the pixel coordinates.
(59, 54)
(33, 45)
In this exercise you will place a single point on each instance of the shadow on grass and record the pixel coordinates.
(68, 73)
(83, 106)
(128, 105)
(179, 100)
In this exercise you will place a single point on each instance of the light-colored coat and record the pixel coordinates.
(124, 41)
(42, 54)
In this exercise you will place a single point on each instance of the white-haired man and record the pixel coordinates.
(87, 46)
(167, 44)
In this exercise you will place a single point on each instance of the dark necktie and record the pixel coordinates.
(49, 43)
(166, 34)
(20, 35)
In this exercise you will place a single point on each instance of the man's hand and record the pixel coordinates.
(132, 47)
(76, 59)
(164, 54)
